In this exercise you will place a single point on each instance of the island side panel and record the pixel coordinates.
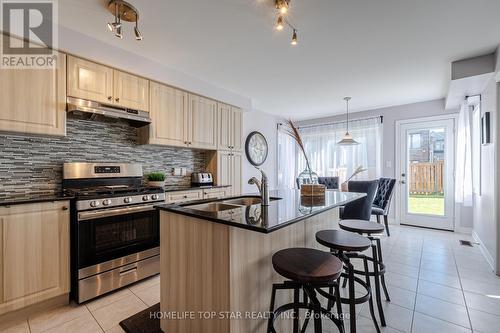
(194, 272)
(328, 220)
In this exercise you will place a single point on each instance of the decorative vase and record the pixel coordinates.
(307, 177)
(156, 183)
(344, 187)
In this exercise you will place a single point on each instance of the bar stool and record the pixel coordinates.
(307, 269)
(347, 245)
(370, 229)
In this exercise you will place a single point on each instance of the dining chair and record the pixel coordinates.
(382, 201)
(331, 183)
(360, 209)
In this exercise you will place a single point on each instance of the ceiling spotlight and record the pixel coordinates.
(280, 24)
(294, 37)
(122, 10)
(138, 35)
(282, 6)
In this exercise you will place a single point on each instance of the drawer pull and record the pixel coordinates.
(128, 271)
(65, 208)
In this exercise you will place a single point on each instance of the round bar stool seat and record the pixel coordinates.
(343, 240)
(308, 270)
(361, 226)
(307, 265)
(348, 246)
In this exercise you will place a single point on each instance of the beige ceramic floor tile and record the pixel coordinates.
(145, 284)
(56, 317)
(485, 303)
(453, 313)
(110, 315)
(444, 293)
(484, 322)
(150, 295)
(396, 317)
(116, 329)
(108, 299)
(84, 324)
(15, 327)
(427, 324)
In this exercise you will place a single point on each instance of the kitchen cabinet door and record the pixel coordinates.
(33, 101)
(131, 91)
(225, 127)
(216, 193)
(202, 123)
(168, 112)
(184, 196)
(237, 129)
(236, 181)
(89, 80)
(35, 253)
(224, 165)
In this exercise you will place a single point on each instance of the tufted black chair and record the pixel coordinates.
(360, 209)
(331, 183)
(382, 201)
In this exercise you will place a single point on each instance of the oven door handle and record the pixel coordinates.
(83, 216)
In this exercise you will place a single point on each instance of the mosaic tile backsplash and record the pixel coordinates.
(34, 164)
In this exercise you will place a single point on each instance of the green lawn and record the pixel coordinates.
(426, 204)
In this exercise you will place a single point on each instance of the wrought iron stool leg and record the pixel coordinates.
(296, 296)
(377, 286)
(370, 301)
(382, 277)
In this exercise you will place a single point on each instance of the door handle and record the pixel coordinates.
(402, 182)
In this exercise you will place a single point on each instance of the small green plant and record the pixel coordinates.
(156, 177)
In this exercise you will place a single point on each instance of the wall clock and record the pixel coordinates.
(256, 148)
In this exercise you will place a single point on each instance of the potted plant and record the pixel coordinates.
(156, 179)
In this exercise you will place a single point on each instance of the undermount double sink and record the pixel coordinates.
(228, 204)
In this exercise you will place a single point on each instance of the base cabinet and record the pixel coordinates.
(34, 253)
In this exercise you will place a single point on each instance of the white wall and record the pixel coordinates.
(265, 123)
(485, 222)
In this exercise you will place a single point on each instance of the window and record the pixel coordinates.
(415, 141)
(328, 159)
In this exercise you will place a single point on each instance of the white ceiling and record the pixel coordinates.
(380, 52)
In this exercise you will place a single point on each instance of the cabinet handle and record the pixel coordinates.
(117, 99)
(110, 97)
(65, 208)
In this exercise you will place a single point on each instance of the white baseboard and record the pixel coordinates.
(484, 251)
(463, 230)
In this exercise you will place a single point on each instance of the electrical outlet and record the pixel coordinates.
(176, 172)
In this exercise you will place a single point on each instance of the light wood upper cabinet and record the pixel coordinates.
(169, 113)
(202, 123)
(89, 80)
(229, 128)
(224, 126)
(33, 101)
(131, 91)
(237, 129)
(35, 253)
(99, 83)
(226, 165)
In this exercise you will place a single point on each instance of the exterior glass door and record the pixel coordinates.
(426, 180)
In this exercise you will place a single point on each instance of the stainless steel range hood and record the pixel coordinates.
(92, 110)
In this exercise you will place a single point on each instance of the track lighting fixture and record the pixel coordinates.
(280, 24)
(138, 35)
(123, 11)
(282, 6)
(294, 37)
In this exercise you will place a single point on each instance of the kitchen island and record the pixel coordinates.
(216, 271)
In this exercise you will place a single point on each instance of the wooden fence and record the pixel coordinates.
(426, 178)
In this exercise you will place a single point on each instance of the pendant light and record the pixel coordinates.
(347, 140)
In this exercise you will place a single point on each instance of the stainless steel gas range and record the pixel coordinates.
(114, 227)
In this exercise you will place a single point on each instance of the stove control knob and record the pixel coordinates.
(154, 197)
(106, 202)
(94, 204)
(145, 198)
(127, 200)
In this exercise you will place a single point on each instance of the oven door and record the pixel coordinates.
(108, 234)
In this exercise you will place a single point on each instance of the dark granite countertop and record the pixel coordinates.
(192, 188)
(32, 198)
(287, 207)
